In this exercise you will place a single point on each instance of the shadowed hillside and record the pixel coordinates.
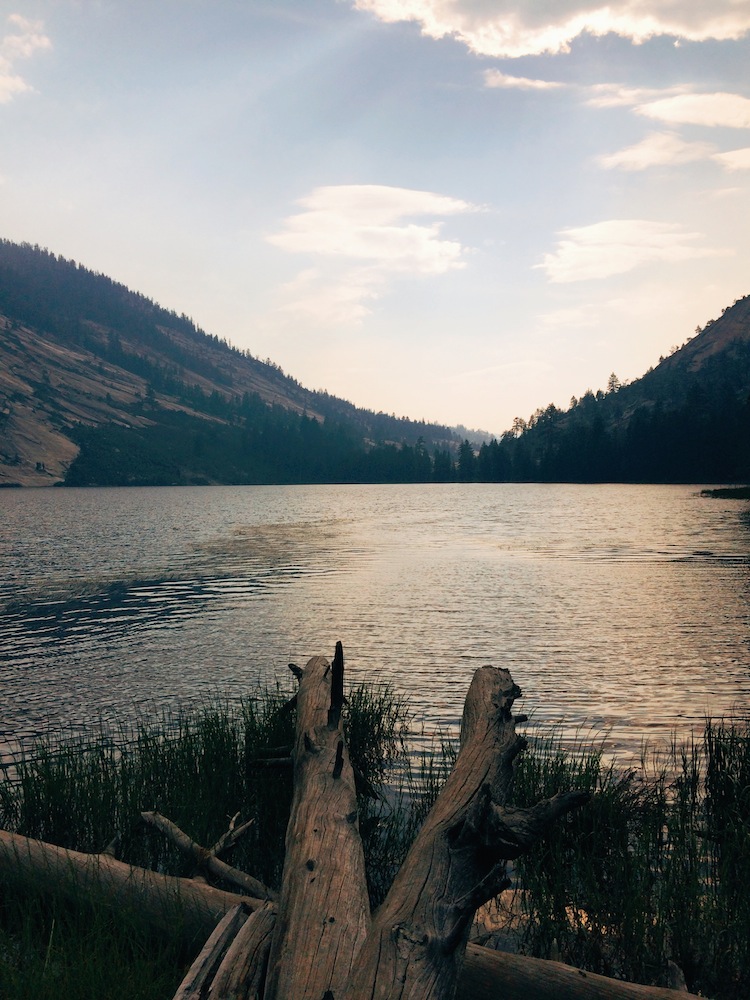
(687, 420)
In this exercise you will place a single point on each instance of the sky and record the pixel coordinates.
(456, 210)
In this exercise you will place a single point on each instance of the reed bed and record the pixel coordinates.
(654, 870)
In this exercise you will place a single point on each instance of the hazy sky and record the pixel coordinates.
(452, 209)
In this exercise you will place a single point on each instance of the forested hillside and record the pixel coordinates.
(100, 385)
(685, 421)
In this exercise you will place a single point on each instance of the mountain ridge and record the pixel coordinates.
(101, 386)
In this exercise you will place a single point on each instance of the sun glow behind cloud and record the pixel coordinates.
(510, 28)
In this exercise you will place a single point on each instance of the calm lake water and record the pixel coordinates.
(619, 608)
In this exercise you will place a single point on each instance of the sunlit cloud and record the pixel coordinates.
(727, 110)
(362, 236)
(614, 95)
(656, 150)
(512, 28)
(617, 246)
(494, 78)
(735, 159)
(371, 222)
(22, 40)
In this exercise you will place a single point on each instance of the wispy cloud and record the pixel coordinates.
(735, 159)
(494, 78)
(512, 28)
(22, 40)
(656, 150)
(614, 95)
(361, 236)
(720, 109)
(617, 246)
(322, 299)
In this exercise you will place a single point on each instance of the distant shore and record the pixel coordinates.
(728, 493)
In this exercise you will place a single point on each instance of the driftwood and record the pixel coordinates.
(490, 975)
(234, 960)
(318, 940)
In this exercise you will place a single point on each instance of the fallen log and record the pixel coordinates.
(488, 975)
(207, 859)
(483, 975)
(164, 901)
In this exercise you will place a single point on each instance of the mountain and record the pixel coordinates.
(99, 385)
(686, 420)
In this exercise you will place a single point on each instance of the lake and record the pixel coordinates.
(622, 609)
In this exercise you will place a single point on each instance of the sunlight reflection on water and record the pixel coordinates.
(622, 608)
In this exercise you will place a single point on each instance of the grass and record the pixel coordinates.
(655, 869)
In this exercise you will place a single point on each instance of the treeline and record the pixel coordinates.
(273, 446)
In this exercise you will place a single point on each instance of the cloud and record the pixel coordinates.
(735, 159)
(315, 297)
(657, 149)
(512, 28)
(727, 110)
(617, 246)
(24, 39)
(369, 222)
(614, 95)
(362, 236)
(494, 78)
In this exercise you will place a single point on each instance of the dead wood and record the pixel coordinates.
(318, 940)
(233, 961)
(489, 975)
(485, 974)
(323, 907)
(201, 974)
(206, 859)
(243, 972)
(457, 862)
(228, 840)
